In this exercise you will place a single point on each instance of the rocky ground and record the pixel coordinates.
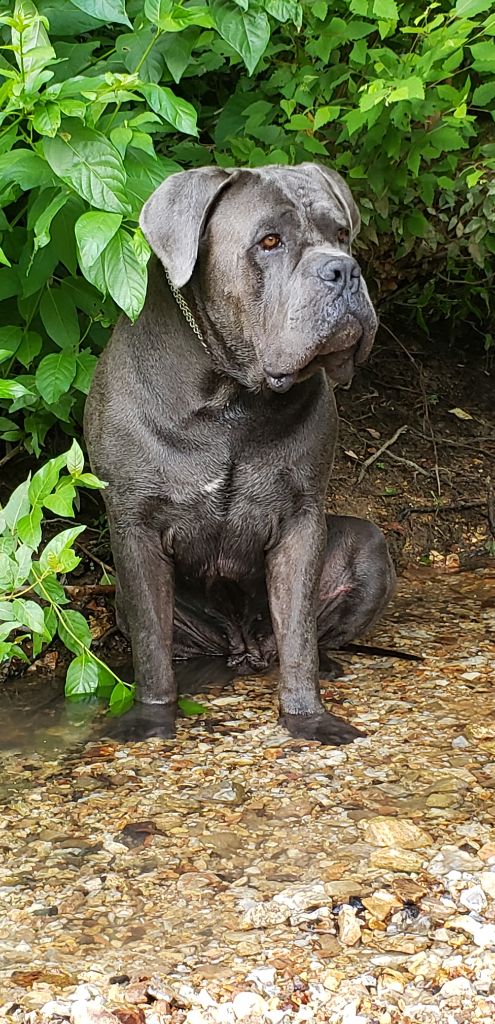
(240, 875)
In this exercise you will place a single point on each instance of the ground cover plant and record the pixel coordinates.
(100, 100)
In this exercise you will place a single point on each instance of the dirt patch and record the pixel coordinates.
(430, 488)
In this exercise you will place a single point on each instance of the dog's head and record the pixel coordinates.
(268, 255)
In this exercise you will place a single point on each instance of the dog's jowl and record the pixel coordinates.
(213, 420)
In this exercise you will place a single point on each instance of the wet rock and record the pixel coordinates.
(248, 1004)
(395, 832)
(349, 926)
(451, 858)
(289, 903)
(381, 903)
(401, 943)
(394, 859)
(228, 791)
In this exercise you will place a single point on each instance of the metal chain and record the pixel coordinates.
(186, 312)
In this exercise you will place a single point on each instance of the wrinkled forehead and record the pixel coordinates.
(275, 196)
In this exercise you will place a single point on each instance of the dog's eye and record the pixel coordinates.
(270, 242)
(343, 235)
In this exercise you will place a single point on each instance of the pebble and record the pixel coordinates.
(393, 859)
(248, 1004)
(473, 899)
(487, 881)
(381, 904)
(456, 987)
(392, 832)
(349, 926)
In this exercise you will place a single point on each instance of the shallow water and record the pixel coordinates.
(173, 859)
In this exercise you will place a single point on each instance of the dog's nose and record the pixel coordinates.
(280, 382)
(341, 272)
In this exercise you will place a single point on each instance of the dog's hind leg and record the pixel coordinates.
(357, 581)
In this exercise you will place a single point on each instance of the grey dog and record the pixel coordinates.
(213, 420)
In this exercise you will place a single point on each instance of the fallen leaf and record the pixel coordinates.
(461, 415)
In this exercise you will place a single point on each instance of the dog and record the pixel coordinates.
(213, 421)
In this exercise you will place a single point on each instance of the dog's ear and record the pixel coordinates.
(172, 219)
(343, 195)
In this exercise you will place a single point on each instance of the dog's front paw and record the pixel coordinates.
(142, 722)
(322, 726)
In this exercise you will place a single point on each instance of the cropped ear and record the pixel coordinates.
(343, 195)
(173, 218)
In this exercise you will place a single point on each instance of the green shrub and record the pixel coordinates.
(99, 103)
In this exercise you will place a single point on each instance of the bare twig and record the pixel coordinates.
(89, 554)
(407, 462)
(426, 412)
(10, 455)
(455, 506)
(372, 458)
(490, 502)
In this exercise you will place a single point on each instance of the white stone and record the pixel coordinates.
(456, 987)
(473, 899)
(55, 1008)
(349, 926)
(263, 976)
(487, 879)
(196, 1017)
(248, 1004)
(460, 742)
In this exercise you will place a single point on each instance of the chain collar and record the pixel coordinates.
(186, 312)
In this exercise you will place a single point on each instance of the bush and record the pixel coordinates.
(100, 103)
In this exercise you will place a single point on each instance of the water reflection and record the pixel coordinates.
(35, 717)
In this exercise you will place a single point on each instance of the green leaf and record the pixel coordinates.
(285, 10)
(90, 480)
(29, 528)
(59, 316)
(61, 502)
(58, 555)
(409, 89)
(13, 389)
(29, 348)
(29, 614)
(55, 374)
(17, 506)
(86, 365)
(446, 139)
(93, 233)
(82, 677)
(155, 10)
(46, 118)
(484, 94)
(325, 114)
(112, 11)
(171, 108)
(75, 459)
(122, 698)
(483, 54)
(190, 708)
(25, 168)
(247, 32)
(417, 224)
(470, 8)
(88, 162)
(125, 275)
(45, 479)
(43, 222)
(386, 9)
(106, 681)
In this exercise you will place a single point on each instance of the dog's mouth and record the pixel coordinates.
(338, 365)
